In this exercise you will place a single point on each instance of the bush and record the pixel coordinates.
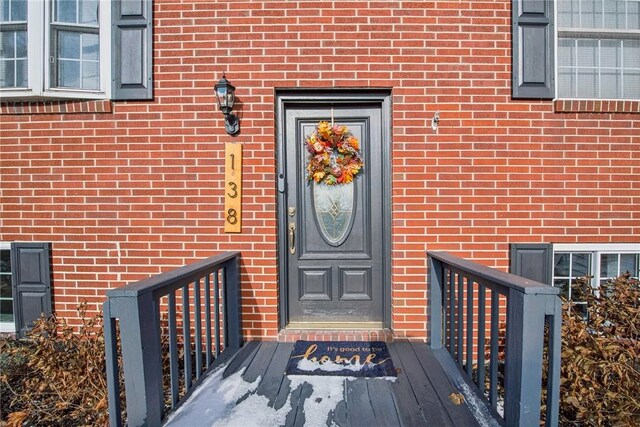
(600, 373)
(56, 377)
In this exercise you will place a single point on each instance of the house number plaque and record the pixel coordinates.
(233, 188)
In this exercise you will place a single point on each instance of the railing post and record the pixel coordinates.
(141, 357)
(434, 303)
(111, 356)
(233, 325)
(524, 347)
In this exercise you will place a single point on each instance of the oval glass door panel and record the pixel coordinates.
(334, 207)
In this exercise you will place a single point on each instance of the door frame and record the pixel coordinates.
(287, 98)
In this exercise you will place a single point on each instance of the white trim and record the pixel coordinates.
(7, 327)
(596, 247)
(38, 48)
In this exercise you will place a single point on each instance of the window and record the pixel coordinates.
(65, 49)
(598, 49)
(7, 322)
(600, 262)
(55, 48)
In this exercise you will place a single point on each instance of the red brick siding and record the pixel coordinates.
(138, 189)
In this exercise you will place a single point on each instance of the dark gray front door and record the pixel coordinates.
(333, 236)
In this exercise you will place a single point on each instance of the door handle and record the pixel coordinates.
(292, 238)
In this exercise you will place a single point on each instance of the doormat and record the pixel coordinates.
(341, 358)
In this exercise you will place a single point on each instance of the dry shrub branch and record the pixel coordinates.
(57, 376)
(600, 373)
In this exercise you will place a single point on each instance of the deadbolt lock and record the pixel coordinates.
(292, 211)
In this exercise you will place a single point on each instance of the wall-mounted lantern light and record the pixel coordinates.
(225, 94)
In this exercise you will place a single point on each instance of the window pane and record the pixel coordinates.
(587, 83)
(580, 265)
(4, 10)
(632, 54)
(90, 75)
(21, 44)
(610, 53)
(608, 265)
(13, 10)
(591, 14)
(5, 261)
(90, 47)
(69, 73)
(614, 14)
(68, 45)
(89, 12)
(629, 263)
(632, 85)
(7, 44)
(566, 53)
(5, 286)
(6, 311)
(66, 11)
(7, 73)
(21, 73)
(610, 84)
(633, 16)
(563, 284)
(587, 53)
(19, 10)
(561, 265)
(566, 83)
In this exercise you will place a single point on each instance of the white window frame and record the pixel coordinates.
(595, 249)
(7, 327)
(628, 34)
(38, 48)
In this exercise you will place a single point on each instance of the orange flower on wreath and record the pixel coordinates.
(334, 155)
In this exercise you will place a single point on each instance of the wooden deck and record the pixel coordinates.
(420, 395)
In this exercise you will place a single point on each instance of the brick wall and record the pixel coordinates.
(128, 189)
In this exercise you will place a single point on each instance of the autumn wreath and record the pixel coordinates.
(334, 155)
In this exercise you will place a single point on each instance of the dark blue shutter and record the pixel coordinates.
(533, 261)
(132, 49)
(31, 283)
(533, 49)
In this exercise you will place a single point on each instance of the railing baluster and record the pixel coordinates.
(469, 344)
(173, 351)
(207, 319)
(198, 326)
(452, 312)
(216, 308)
(460, 333)
(481, 335)
(186, 336)
(225, 323)
(493, 351)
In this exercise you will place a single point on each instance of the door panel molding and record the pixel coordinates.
(295, 100)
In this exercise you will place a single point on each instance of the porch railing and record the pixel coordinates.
(493, 321)
(149, 314)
